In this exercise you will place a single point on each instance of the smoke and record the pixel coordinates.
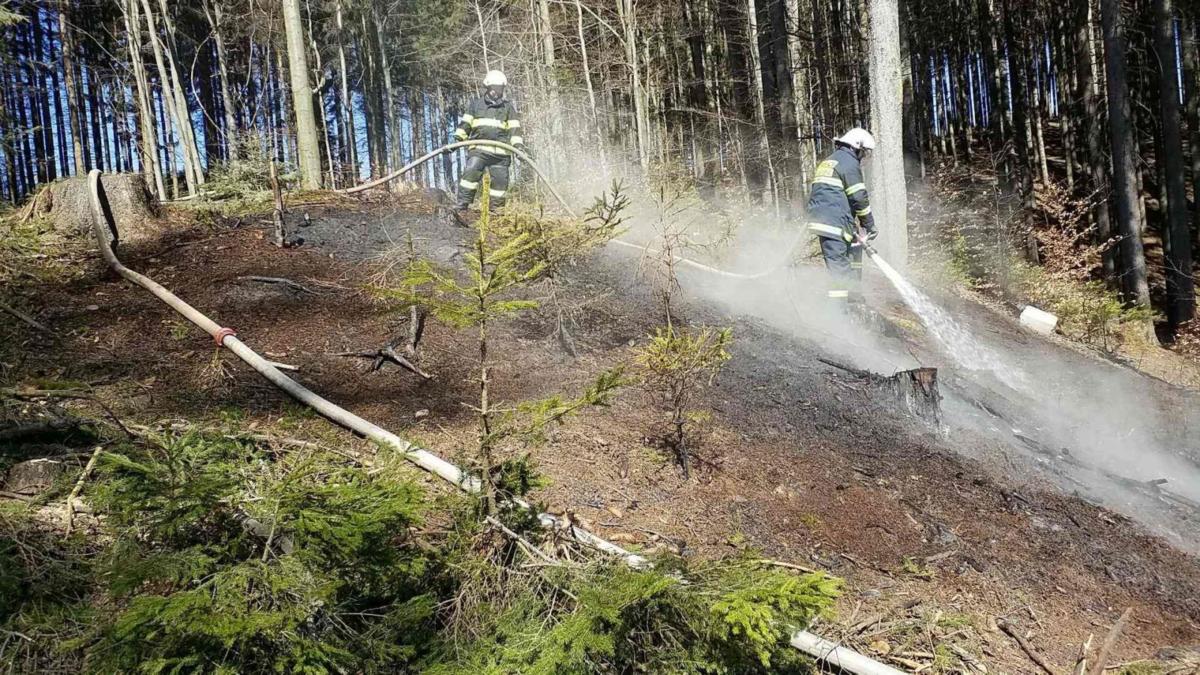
(1088, 425)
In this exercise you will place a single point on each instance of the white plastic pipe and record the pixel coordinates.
(846, 659)
(840, 657)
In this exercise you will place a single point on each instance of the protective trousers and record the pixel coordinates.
(468, 185)
(843, 259)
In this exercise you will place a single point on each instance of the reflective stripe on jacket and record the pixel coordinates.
(839, 199)
(486, 120)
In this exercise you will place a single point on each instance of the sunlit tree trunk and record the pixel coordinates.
(71, 79)
(175, 101)
(347, 107)
(214, 10)
(889, 198)
(308, 148)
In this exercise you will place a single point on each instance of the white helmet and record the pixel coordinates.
(859, 139)
(494, 78)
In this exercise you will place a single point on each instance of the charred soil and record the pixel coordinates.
(802, 461)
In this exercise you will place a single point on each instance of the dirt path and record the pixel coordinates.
(938, 537)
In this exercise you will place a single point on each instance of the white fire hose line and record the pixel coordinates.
(104, 226)
(533, 165)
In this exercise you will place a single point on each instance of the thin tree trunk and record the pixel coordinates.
(187, 133)
(1130, 220)
(1097, 160)
(625, 11)
(67, 39)
(1181, 293)
(176, 103)
(213, 10)
(347, 107)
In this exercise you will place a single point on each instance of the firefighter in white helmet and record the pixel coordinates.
(839, 209)
(491, 117)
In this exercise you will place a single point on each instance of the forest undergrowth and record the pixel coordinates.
(968, 234)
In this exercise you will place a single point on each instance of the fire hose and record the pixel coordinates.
(524, 157)
(104, 227)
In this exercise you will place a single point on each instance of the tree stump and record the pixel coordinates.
(67, 205)
(33, 476)
(918, 390)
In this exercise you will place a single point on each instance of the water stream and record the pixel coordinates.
(959, 343)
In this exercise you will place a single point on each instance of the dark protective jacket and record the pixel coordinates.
(487, 120)
(839, 198)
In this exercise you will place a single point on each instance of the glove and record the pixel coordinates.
(872, 233)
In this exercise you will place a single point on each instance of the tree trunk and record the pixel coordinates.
(174, 100)
(1097, 160)
(67, 42)
(1130, 220)
(1191, 80)
(213, 10)
(307, 146)
(1018, 68)
(625, 11)
(889, 197)
(347, 107)
(1181, 293)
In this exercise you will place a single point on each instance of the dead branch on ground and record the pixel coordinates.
(1110, 641)
(1026, 647)
(25, 318)
(280, 280)
(87, 470)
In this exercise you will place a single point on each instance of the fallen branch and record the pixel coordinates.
(1081, 662)
(1110, 641)
(33, 501)
(16, 392)
(388, 354)
(524, 543)
(26, 318)
(1026, 647)
(787, 565)
(280, 280)
(79, 486)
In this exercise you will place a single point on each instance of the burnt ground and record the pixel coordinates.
(940, 533)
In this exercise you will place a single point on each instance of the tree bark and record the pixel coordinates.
(1181, 292)
(175, 102)
(307, 146)
(347, 107)
(889, 197)
(67, 39)
(1191, 80)
(1097, 160)
(1130, 219)
(214, 10)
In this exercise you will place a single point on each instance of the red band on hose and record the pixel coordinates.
(222, 334)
